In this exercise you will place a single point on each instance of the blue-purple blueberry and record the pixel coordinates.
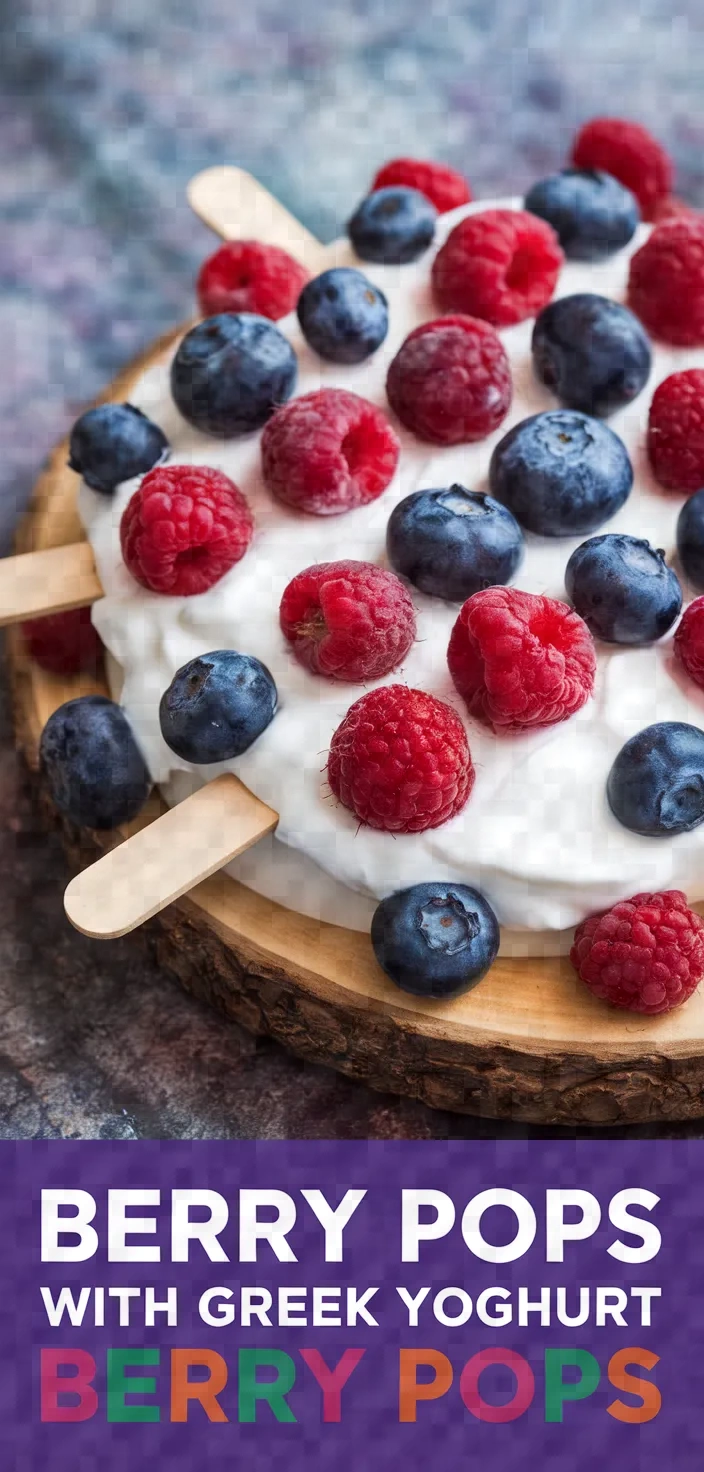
(230, 373)
(591, 352)
(216, 706)
(656, 784)
(450, 543)
(435, 940)
(623, 589)
(562, 473)
(393, 226)
(113, 443)
(343, 316)
(592, 214)
(94, 768)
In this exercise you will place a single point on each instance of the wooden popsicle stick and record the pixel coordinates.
(39, 583)
(159, 863)
(235, 205)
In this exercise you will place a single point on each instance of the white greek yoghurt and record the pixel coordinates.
(537, 836)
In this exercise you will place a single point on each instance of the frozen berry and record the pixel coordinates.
(114, 443)
(400, 760)
(452, 542)
(562, 474)
(623, 589)
(689, 641)
(676, 431)
(435, 940)
(500, 265)
(519, 661)
(328, 451)
(64, 643)
(216, 706)
(95, 770)
(184, 528)
(248, 276)
(591, 213)
(690, 538)
(666, 282)
(348, 620)
(631, 154)
(656, 784)
(230, 372)
(393, 226)
(450, 381)
(591, 352)
(343, 316)
(645, 955)
(443, 186)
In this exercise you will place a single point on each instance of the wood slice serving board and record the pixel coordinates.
(528, 1044)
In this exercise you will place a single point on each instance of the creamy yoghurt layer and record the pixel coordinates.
(537, 836)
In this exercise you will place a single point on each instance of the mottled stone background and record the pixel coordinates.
(106, 109)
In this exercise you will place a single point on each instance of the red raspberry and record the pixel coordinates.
(666, 282)
(520, 661)
(500, 265)
(400, 760)
(328, 451)
(247, 276)
(64, 643)
(443, 186)
(646, 954)
(184, 528)
(450, 381)
(631, 154)
(676, 431)
(672, 208)
(689, 641)
(348, 620)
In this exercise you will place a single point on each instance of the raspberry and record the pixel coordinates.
(666, 282)
(247, 276)
(450, 381)
(689, 641)
(443, 186)
(184, 528)
(348, 620)
(400, 760)
(672, 208)
(64, 643)
(520, 661)
(676, 431)
(328, 451)
(646, 954)
(500, 265)
(631, 154)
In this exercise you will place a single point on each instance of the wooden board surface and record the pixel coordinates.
(528, 1044)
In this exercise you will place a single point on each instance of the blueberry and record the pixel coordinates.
(393, 226)
(450, 543)
(216, 706)
(690, 538)
(114, 443)
(231, 372)
(561, 474)
(592, 353)
(622, 589)
(343, 315)
(591, 213)
(95, 770)
(656, 784)
(435, 940)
